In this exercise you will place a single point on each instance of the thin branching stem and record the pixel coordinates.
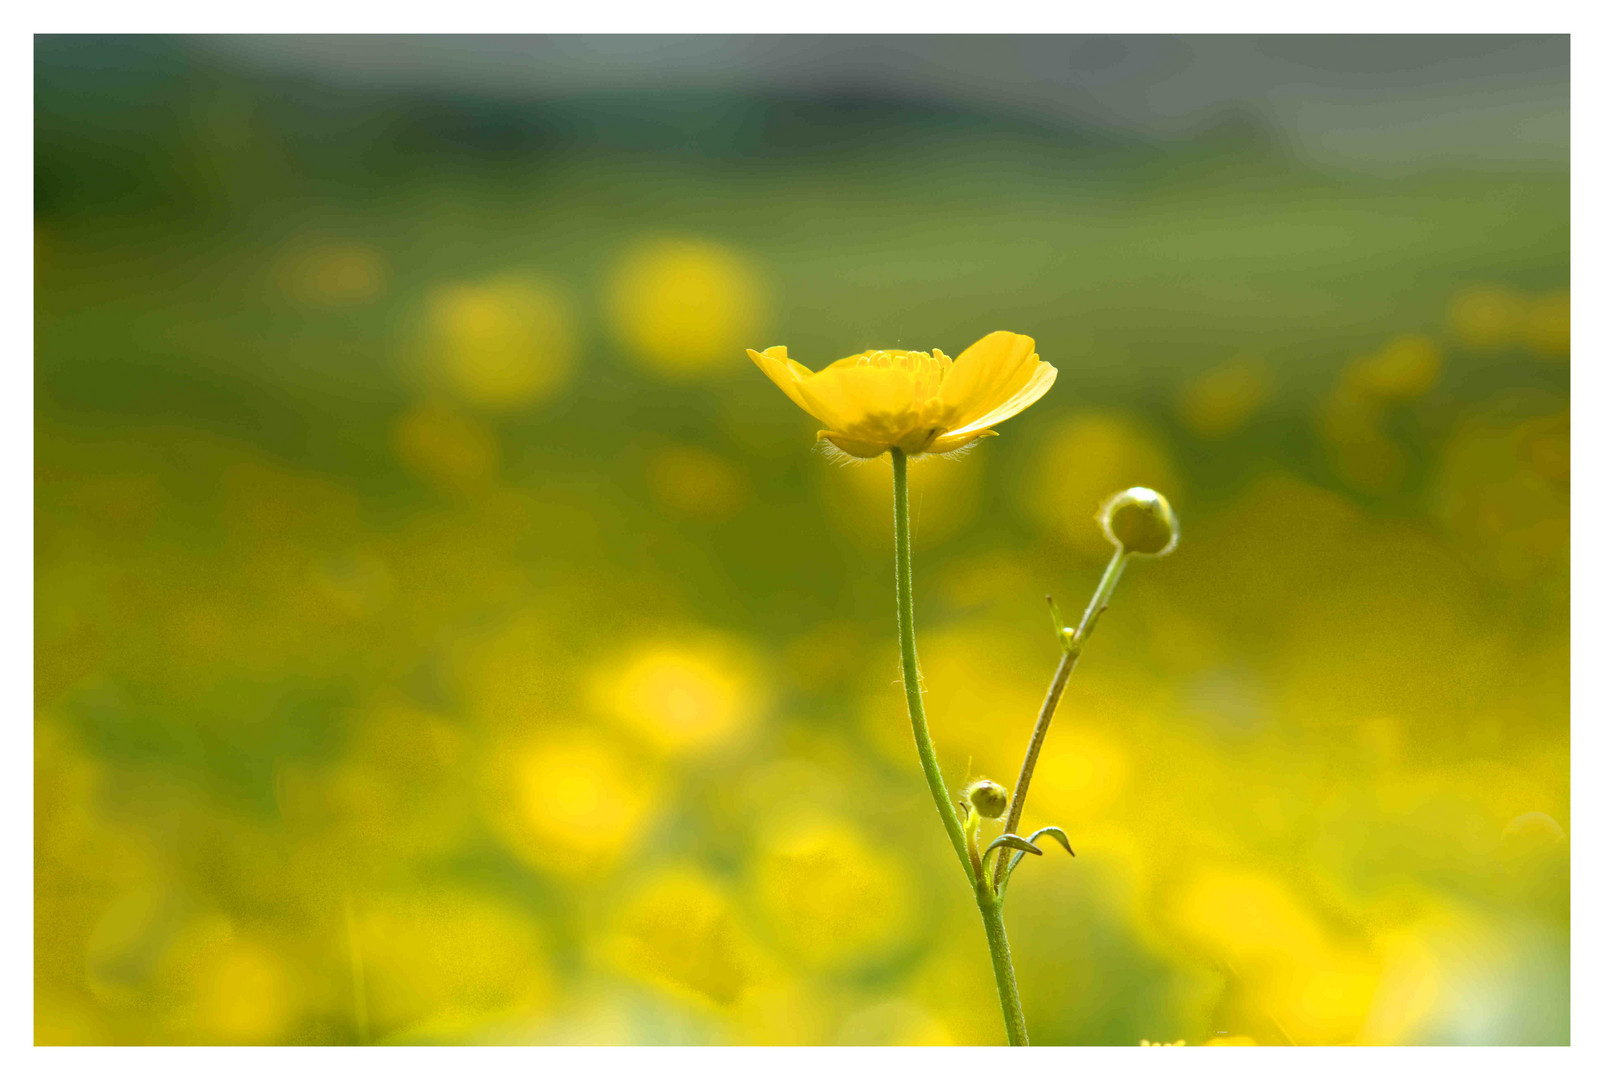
(1066, 668)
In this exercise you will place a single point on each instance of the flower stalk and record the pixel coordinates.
(1002, 961)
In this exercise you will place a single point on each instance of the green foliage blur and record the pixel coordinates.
(445, 634)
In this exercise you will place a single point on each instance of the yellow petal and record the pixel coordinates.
(987, 374)
(1041, 377)
(784, 372)
(861, 448)
(956, 441)
(862, 400)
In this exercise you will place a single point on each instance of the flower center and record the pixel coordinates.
(928, 371)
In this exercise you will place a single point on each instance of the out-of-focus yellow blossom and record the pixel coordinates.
(1314, 990)
(681, 934)
(682, 693)
(695, 483)
(1222, 399)
(227, 987)
(1085, 773)
(1360, 450)
(921, 403)
(1548, 325)
(332, 273)
(830, 898)
(572, 802)
(897, 1022)
(501, 344)
(1405, 367)
(1503, 485)
(1486, 317)
(1231, 1040)
(439, 965)
(445, 448)
(1086, 459)
(684, 305)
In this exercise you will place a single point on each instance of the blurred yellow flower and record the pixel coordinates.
(921, 403)
(830, 897)
(1548, 325)
(1085, 459)
(1405, 367)
(696, 483)
(501, 344)
(680, 934)
(444, 447)
(332, 273)
(1487, 316)
(683, 306)
(226, 987)
(681, 694)
(572, 803)
(441, 964)
(1221, 400)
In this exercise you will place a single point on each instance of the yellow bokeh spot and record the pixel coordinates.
(682, 694)
(1232, 1040)
(1085, 460)
(440, 964)
(1247, 917)
(445, 448)
(685, 307)
(680, 934)
(1405, 367)
(575, 802)
(246, 996)
(502, 344)
(227, 987)
(694, 483)
(1548, 325)
(898, 1022)
(829, 897)
(332, 273)
(1313, 990)
(1083, 775)
(1487, 316)
(1222, 399)
(1360, 450)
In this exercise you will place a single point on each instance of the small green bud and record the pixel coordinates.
(1140, 520)
(988, 797)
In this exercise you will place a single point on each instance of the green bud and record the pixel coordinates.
(989, 798)
(1140, 520)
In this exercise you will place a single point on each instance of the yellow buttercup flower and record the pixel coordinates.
(920, 403)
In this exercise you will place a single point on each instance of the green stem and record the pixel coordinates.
(1066, 667)
(910, 663)
(990, 909)
(1002, 967)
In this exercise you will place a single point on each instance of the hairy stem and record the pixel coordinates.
(910, 663)
(990, 907)
(1002, 966)
(1066, 667)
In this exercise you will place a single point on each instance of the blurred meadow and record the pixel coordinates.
(444, 633)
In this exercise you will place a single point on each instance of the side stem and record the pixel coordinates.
(1002, 962)
(1066, 668)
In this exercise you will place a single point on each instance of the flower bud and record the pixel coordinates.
(1140, 520)
(988, 797)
